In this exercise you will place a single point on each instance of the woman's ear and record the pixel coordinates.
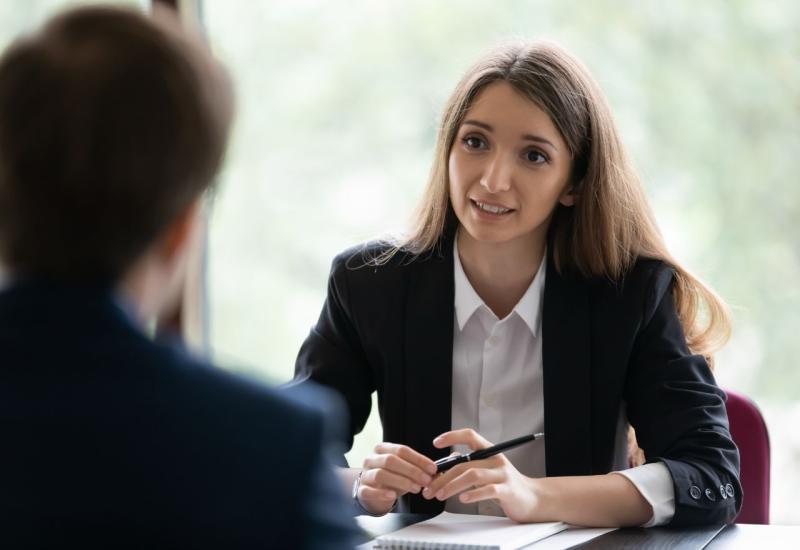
(569, 196)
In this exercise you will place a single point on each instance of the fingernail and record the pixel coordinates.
(440, 494)
(437, 440)
(426, 492)
(464, 497)
(432, 469)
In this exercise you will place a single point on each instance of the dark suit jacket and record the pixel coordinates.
(112, 440)
(606, 345)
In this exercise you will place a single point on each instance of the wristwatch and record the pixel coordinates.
(357, 503)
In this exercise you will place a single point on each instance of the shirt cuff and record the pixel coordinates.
(654, 482)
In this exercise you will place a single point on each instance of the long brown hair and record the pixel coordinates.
(611, 223)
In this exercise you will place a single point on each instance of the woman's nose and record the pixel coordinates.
(496, 176)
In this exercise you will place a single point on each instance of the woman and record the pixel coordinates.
(534, 294)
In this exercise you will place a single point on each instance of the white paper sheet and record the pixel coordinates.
(452, 531)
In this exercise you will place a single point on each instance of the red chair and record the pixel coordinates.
(749, 432)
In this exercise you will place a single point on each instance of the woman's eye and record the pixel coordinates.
(535, 157)
(473, 142)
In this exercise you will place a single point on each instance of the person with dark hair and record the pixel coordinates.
(533, 294)
(112, 126)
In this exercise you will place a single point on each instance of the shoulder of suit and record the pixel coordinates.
(652, 270)
(638, 292)
(374, 262)
(196, 382)
(372, 254)
(646, 279)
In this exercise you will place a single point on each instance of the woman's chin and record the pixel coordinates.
(488, 235)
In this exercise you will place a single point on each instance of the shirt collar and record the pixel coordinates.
(529, 306)
(467, 301)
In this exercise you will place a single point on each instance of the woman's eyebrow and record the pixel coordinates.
(479, 124)
(539, 139)
(528, 137)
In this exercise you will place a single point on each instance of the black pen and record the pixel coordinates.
(444, 464)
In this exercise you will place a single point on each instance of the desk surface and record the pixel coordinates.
(713, 537)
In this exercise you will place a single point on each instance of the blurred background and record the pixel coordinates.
(338, 104)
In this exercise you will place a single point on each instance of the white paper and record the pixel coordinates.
(451, 531)
(573, 536)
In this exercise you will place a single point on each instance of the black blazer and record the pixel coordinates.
(606, 345)
(111, 440)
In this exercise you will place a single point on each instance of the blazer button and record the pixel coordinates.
(729, 489)
(722, 492)
(694, 492)
(710, 495)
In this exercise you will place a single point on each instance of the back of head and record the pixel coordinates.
(111, 124)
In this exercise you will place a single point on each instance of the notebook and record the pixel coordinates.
(463, 531)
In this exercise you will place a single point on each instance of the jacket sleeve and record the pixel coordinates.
(332, 354)
(328, 522)
(679, 414)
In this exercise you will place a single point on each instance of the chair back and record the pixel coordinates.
(749, 432)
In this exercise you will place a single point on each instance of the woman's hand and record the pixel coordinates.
(493, 478)
(390, 472)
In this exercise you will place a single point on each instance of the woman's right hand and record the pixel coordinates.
(390, 472)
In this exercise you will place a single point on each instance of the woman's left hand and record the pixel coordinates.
(493, 478)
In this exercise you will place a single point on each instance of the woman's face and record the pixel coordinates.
(509, 168)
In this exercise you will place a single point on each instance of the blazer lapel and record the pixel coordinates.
(567, 374)
(429, 356)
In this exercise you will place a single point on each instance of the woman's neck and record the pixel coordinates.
(500, 273)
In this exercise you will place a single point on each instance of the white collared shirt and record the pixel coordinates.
(498, 391)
